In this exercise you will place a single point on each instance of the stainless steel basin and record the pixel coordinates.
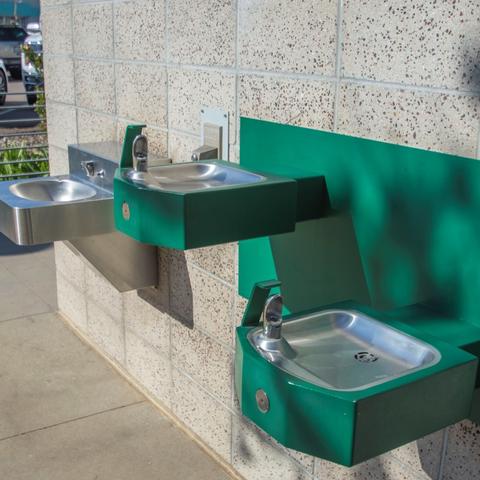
(54, 208)
(79, 208)
(188, 177)
(52, 190)
(63, 207)
(346, 350)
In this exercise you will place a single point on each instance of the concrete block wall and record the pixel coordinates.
(404, 72)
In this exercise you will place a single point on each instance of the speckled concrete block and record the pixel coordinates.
(103, 293)
(52, 3)
(190, 90)
(62, 124)
(95, 127)
(309, 103)
(427, 43)
(200, 412)
(70, 265)
(157, 138)
(239, 306)
(380, 468)
(234, 153)
(141, 93)
(93, 30)
(288, 36)
(202, 32)
(149, 367)
(212, 305)
(239, 309)
(181, 146)
(140, 30)
(256, 457)
(218, 260)
(462, 458)
(71, 302)
(147, 322)
(59, 79)
(206, 361)
(95, 85)
(448, 123)
(201, 299)
(57, 30)
(106, 332)
(57, 161)
(423, 456)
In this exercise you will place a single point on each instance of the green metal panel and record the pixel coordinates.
(256, 302)
(126, 160)
(407, 222)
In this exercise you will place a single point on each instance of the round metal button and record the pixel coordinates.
(263, 403)
(126, 211)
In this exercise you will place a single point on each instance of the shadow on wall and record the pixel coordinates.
(256, 450)
(173, 295)
(320, 263)
(471, 63)
(422, 456)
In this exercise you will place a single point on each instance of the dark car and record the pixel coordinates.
(11, 39)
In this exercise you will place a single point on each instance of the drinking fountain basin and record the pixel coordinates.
(52, 190)
(346, 350)
(190, 177)
(346, 383)
(203, 203)
(78, 208)
(54, 208)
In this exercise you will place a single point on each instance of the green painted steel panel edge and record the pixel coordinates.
(132, 131)
(350, 427)
(185, 220)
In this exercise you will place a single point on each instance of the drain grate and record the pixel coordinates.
(365, 357)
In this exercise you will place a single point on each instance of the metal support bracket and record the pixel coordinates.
(214, 130)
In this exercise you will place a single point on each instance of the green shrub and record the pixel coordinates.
(33, 167)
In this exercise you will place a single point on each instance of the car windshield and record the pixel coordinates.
(36, 47)
(11, 34)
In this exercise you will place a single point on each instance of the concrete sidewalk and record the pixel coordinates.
(64, 412)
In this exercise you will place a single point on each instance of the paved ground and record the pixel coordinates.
(64, 412)
(16, 113)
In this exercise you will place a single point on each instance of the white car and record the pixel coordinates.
(32, 80)
(3, 82)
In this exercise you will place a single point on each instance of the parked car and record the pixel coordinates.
(3, 83)
(11, 39)
(32, 28)
(32, 79)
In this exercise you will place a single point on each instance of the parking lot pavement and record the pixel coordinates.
(16, 113)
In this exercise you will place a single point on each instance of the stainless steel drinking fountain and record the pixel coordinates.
(78, 208)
